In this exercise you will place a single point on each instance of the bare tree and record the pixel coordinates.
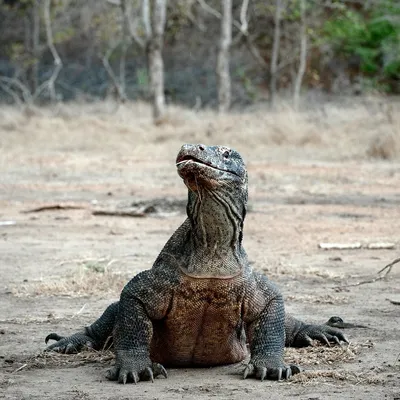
(50, 42)
(119, 83)
(275, 51)
(155, 60)
(223, 75)
(303, 55)
(129, 33)
(148, 33)
(146, 19)
(32, 43)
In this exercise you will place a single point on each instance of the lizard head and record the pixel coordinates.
(211, 168)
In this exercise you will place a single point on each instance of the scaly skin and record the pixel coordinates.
(201, 303)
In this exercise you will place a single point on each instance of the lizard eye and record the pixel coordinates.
(226, 154)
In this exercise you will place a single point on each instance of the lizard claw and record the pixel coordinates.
(69, 344)
(268, 370)
(135, 377)
(248, 371)
(149, 373)
(323, 333)
(112, 374)
(53, 336)
(132, 367)
(158, 369)
(261, 373)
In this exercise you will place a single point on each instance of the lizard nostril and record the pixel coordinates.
(201, 147)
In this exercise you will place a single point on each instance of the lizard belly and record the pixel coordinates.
(203, 327)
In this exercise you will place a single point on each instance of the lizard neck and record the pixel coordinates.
(215, 240)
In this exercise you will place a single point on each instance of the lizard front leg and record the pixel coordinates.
(142, 300)
(265, 318)
(133, 333)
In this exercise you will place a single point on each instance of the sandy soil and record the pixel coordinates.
(60, 268)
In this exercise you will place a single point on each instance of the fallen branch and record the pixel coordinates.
(339, 246)
(395, 302)
(387, 270)
(20, 368)
(51, 207)
(357, 245)
(117, 213)
(7, 223)
(389, 266)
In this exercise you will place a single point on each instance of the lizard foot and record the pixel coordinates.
(70, 344)
(134, 367)
(270, 368)
(323, 333)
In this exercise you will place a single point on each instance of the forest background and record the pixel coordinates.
(201, 54)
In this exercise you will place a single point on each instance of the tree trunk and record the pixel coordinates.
(155, 60)
(275, 53)
(223, 75)
(126, 42)
(303, 55)
(32, 37)
(50, 42)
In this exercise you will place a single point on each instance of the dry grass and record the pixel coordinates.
(318, 377)
(349, 128)
(328, 358)
(299, 271)
(323, 299)
(92, 278)
(384, 146)
(318, 355)
(322, 355)
(52, 359)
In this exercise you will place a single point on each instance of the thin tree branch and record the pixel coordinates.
(26, 94)
(146, 19)
(386, 268)
(7, 89)
(242, 27)
(131, 25)
(243, 17)
(107, 66)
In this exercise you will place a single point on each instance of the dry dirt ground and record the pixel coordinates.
(311, 181)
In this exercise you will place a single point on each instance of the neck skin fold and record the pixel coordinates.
(214, 245)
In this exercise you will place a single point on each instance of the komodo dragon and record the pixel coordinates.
(201, 303)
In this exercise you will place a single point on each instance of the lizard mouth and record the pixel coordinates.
(181, 161)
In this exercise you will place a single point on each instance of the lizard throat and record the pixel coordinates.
(214, 247)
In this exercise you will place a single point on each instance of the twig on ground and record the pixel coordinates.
(77, 313)
(357, 245)
(116, 213)
(339, 246)
(20, 368)
(51, 207)
(395, 302)
(88, 260)
(388, 268)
